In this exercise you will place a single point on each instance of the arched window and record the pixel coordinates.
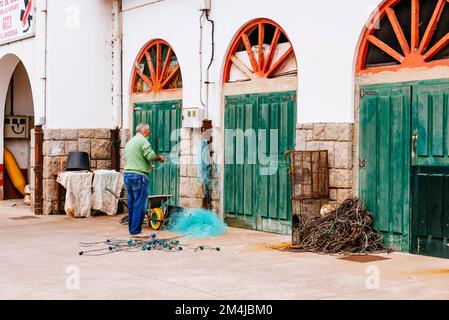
(405, 34)
(156, 69)
(260, 50)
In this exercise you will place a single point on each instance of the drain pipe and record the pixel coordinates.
(117, 68)
(38, 131)
(43, 11)
(212, 58)
(201, 62)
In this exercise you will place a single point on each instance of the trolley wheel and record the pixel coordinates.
(156, 218)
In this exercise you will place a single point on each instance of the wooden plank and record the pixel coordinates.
(170, 77)
(273, 185)
(428, 35)
(437, 112)
(263, 129)
(167, 129)
(436, 196)
(167, 61)
(386, 48)
(397, 160)
(174, 134)
(284, 195)
(422, 123)
(263, 145)
(242, 67)
(159, 62)
(278, 64)
(398, 30)
(229, 194)
(415, 24)
(240, 147)
(151, 67)
(274, 43)
(385, 178)
(263, 193)
(446, 206)
(368, 152)
(446, 124)
(261, 55)
(249, 151)
(249, 51)
(436, 48)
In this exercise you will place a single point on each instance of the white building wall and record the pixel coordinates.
(324, 34)
(79, 79)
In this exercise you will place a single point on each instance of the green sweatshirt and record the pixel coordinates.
(139, 156)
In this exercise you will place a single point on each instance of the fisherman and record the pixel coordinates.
(139, 159)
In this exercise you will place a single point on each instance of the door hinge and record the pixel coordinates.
(362, 163)
(364, 93)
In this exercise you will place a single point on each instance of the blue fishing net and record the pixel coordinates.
(197, 223)
(205, 167)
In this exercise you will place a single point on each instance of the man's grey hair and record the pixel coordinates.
(141, 127)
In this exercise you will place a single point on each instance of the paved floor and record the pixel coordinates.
(39, 260)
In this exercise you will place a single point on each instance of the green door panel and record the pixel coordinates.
(164, 119)
(430, 125)
(385, 160)
(257, 187)
(430, 171)
(430, 228)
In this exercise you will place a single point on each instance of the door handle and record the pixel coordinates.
(414, 140)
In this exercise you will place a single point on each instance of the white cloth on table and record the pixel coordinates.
(78, 201)
(103, 200)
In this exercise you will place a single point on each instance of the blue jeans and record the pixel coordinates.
(137, 189)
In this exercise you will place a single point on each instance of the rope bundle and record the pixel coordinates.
(347, 230)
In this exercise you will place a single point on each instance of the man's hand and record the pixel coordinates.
(161, 159)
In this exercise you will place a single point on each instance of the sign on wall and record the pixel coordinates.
(17, 20)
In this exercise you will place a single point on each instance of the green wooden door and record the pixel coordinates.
(430, 125)
(164, 119)
(385, 160)
(259, 129)
(430, 171)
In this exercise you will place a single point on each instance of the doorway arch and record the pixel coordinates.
(17, 121)
(156, 99)
(260, 79)
(401, 119)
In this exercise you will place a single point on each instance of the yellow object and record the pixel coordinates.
(156, 218)
(14, 172)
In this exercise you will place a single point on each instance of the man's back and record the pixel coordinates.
(139, 156)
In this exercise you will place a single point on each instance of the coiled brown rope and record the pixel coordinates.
(347, 230)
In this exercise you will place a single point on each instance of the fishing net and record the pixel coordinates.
(196, 223)
(347, 230)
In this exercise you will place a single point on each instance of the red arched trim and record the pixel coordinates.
(416, 52)
(263, 66)
(161, 75)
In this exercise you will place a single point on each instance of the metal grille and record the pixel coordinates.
(309, 173)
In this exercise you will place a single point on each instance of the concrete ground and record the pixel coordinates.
(39, 260)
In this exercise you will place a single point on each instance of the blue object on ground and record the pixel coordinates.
(197, 223)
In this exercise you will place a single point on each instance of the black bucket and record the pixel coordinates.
(78, 161)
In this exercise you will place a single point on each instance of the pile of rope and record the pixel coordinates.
(347, 230)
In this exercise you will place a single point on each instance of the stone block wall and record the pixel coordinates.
(337, 138)
(191, 188)
(57, 145)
